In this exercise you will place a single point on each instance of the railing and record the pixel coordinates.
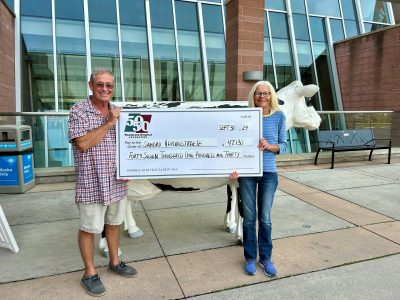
(52, 149)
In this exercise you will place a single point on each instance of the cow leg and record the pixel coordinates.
(239, 231)
(230, 218)
(239, 213)
(103, 245)
(130, 223)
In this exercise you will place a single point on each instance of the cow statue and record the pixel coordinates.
(294, 101)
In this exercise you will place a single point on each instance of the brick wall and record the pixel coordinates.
(369, 70)
(244, 44)
(7, 71)
(369, 73)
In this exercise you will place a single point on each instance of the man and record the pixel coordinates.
(100, 197)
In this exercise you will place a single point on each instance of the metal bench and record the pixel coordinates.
(350, 140)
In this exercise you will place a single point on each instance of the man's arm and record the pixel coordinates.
(95, 136)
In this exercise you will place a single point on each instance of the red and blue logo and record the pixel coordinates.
(138, 123)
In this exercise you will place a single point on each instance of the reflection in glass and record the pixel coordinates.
(324, 7)
(165, 65)
(282, 51)
(104, 40)
(189, 51)
(71, 53)
(275, 4)
(317, 28)
(368, 27)
(10, 4)
(351, 28)
(375, 11)
(268, 69)
(304, 56)
(135, 58)
(37, 53)
(298, 6)
(297, 138)
(349, 9)
(322, 63)
(37, 66)
(336, 29)
(300, 27)
(215, 48)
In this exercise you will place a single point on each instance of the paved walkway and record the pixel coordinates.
(336, 236)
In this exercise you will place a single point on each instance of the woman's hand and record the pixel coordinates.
(234, 175)
(263, 144)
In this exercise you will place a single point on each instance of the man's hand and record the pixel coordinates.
(113, 115)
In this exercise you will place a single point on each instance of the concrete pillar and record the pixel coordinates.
(244, 45)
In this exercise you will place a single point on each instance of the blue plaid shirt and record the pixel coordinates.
(95, 168)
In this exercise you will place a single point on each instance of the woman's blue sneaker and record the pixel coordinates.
(269, 268)
(250, 268)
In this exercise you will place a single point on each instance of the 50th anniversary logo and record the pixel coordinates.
(137, 123)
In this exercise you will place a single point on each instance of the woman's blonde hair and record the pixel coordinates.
(273, 105)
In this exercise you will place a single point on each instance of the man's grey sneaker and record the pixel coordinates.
(269, 268)
(93, 285)
(123, 269)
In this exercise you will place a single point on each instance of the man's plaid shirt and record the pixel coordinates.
(96, 167)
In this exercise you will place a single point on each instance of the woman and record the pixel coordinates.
(258, 192)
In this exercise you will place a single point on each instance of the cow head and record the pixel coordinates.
(295, 103)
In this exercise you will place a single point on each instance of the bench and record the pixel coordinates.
(350, 140)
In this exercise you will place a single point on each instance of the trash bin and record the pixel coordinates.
(16, 159)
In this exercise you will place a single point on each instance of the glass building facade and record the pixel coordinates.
(174, 50)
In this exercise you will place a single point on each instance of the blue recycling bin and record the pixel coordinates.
(16, 159)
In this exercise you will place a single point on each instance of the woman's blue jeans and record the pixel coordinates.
(257, 194)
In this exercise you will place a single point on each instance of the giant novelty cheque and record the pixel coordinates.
(172, 143)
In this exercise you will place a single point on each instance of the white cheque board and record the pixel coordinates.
(172, 143)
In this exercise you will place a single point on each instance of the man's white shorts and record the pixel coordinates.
(94, 216)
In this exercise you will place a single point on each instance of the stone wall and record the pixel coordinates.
(7, 62)
(244, 45)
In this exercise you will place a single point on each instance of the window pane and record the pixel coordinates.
(189, 51)
(282, 51)
(10, 4)
(37, 49)
(278, 26)
(71, 53)
(268, 71)
(324, 7)
(322, 64)
(349, 9)
(37, 65)
(298, 6)
(36, 8)
(215, 47)
(351, 28)
(336, 29)
(104, 40)
(304, 56)
(300, 27)
(317, 27)
(375, 11)
(135, 56)
(275, 4)
(165, 65)
(371, 27)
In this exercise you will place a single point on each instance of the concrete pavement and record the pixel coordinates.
(336, 236)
